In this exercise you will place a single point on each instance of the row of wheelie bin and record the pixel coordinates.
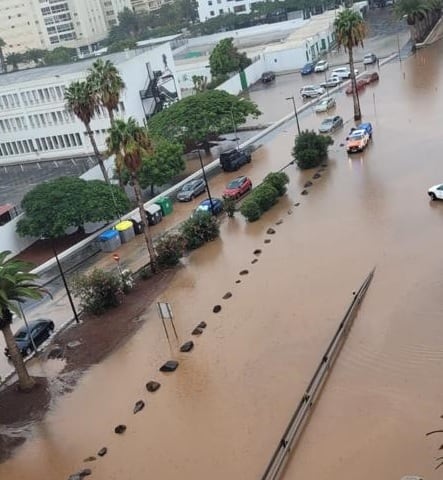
(126, 230)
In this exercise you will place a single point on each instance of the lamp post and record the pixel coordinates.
(295, 112)
(235, 129)
(65, 283)
(205, 179)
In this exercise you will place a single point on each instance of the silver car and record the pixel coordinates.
(330, 124)
(191, 190)
(325, 105)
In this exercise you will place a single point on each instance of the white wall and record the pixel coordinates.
(253, 73)
(10, 240)
(285, 60)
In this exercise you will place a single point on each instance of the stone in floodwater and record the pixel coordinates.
(197, 331)
(152, 386)
(169, 366)
(227, 295)
(267, 240)
(289, 212)
(80, 475)
(90, 459)
(308, 184)
(270, 231)
(254, 261)
(238, 281)
(316, 175)
(139, 405)
(296, 204)
(304, 192)
(217, 308)
(279, 222)
(187, 347)
(201, 325)
(257, 251)
(120, 429)
(244, 272)
(102, 452)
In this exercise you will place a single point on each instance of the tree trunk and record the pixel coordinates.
(117, 170)
(144, 219)
(2, 62)
(206, 147)
(357, 111)
(96, 152)
(25, 381)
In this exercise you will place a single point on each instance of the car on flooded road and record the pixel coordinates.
(311, 91)
(369, 59)
(321, 66)
(308, 69)
(331, 124)
(325, 105)
(360, 84)
(357, 141)
(191, 190)
(268, 77)
(343, 72)
(39, 331)
(436, 192)
(205, 206)
(237, 187)
(370, 77)
(331, 82)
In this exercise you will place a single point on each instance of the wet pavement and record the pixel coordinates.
(222, 412)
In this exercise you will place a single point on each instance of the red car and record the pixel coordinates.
(237, 187)
(370, 77)
(361, 84)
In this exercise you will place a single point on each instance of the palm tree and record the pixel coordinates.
(2, 56)
(129, 143)
(16, 285)
(417, 14)
(82, 101)
(350, 31)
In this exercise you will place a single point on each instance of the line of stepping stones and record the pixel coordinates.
(172, 365)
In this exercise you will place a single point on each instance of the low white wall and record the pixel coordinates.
(10, 239)
(285, 60)
(253, 73)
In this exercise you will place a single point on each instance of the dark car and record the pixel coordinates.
(308, 69)
(233, 159)
(205, 206)
(268, 77)
(370, 77)
(360, 84)
(40, 330)
(191, 190)
(330, 124)
(237, 187)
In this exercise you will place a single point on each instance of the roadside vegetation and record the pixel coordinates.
(311, 149)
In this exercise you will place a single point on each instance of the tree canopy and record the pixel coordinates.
(225, 58)
(201, 118)
(310, 149)
(52, 207)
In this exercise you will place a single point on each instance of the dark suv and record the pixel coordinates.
(233, 159)
(268, 77)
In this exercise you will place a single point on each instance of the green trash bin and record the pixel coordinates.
(165, 203)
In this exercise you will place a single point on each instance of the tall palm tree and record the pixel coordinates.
(2, 56)
(129, 143)
(350, 31)
(16, 285)
(415, 12)
(82, 101)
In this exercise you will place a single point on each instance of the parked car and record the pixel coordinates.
(233, 159)
(205, 206)
(436, 192)
(357, 141)
(369, 59)
(311, 91)
(237, 187)
(330, 124)
(343, 72)
(370, 77)
(39, 331)
(321, 66)
(325, 105)
(331, 82)
(191, 190)
(308, 69)
(363, 126)
(360, 84)
(268, 77)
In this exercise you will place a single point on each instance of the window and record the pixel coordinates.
(212, 13)
(220, 11)
(210, 2)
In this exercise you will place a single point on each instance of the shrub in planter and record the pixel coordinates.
(202, 227)
(170, 249)
(278, 180)
(266, 196)
(250, 209)
(229, 206)
(127, 281)
(98, 291)
(311, 149)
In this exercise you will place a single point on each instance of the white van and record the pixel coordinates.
(343, 72)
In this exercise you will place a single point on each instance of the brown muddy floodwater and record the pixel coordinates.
(220, 415)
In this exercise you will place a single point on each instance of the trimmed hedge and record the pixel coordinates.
(311, 149)
(199, 229)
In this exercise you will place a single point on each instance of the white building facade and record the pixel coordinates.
(34, 123)
(111, 9)
(208, 9)
(140, 6)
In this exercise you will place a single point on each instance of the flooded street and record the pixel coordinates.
(221, 414)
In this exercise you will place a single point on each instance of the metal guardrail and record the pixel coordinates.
(299, 419)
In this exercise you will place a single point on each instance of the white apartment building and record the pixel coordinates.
(140, 6)
(208, 9)
(80, 24)
(35, 125)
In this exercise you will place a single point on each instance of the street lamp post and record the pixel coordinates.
(235, 129)
(205, 179)
(295, 112)
(65, 283)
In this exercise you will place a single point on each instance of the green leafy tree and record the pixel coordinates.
(130, 143)
(13, 59)
(225, 58)
(201, 118)
(350, 31)
(170, 249)
(2, 56)
(35, 55)
(311, 149)
(60, 55)
(52, 207)
(199, 229)
(81, 99)
(200, 83)
(16, 285)
(121, 45)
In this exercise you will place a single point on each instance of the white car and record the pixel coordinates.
(311, 91)
(436, 192)
(331, 82)
(369, 59)
(325, 105)
(321, 66)
(343, 72)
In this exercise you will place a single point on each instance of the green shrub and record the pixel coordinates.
(311, 149)
(98, 291)
(202, 227)
(170, 249)
(250, 209)
(278, 180)
(229, 206)
(266, 196)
